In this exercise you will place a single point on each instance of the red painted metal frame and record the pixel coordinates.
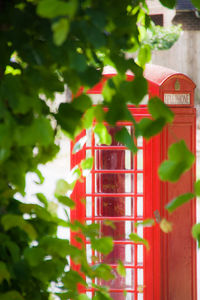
(158, 261)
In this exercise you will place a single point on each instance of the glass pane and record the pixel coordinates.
(140, 141)
(114, 206)
(88, 206)
(123, 252)
(140, 255)
(122, 296)
(140, 231)
(113, 160)
(140, 277)
(139, 183)
(89, 137)
(89, 184)
(120, 282)
(140, 296)
(114, 183)
(119, 230)
(89, 253)
(140, 160)
(140, 206)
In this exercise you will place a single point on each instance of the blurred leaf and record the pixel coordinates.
(40, 176)
(165, 226)
(197, 187)
(158, 109)
(41, 197)
(55, 8)
(103, 245)
(103, 271)
(144, 55)
(178, 201)
(124, 137)
(102, 134)
(149, 128)
(196, 3)
(168, 3)
(145, 223)
(69, 118)
(66, 201)
(121, 270)
(135, 90)
(82, 103)
(83, 297)
(180, 160)
(4, 273)
(71, 279)
(10, 220)
(196, 233)
(60, 31)
(77, 61)
(62, 187)
(100, 295)
(137, 239)
(11, 295)
(34, 255)
(87, 163)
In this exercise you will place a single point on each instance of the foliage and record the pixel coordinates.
(162, 38)
(46, 44)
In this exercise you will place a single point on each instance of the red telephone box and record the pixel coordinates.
(124, 189)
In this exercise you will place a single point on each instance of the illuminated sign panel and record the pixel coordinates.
(177, 99)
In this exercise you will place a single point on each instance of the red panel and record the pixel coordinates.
(178, 248)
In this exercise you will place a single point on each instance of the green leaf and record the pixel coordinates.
(137, 239)
(83, 297)
(62, 187)
(145, 223)
(121, 270)
(102, 134)
(87, 163)
(196, 233)
(135, 90)
(103, 271)
(197, 187)
(178, 201)
(60, 31)
(34, 255)
(11, 295)
(82, 103)
(55, 8)
(103, 245)
(77, 61)
(10, 220)
(124, 137)
(41, 197)
(149, 128)
(168, 3)
(196, 3)
(40, 131)
(144, 55)
(4, 273)
(101, 295)
(66, 201)
(158, 109)
(56, 247)
(180, 160)
(71, 279)
(69, 118)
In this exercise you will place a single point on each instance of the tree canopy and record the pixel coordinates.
(46, 45)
